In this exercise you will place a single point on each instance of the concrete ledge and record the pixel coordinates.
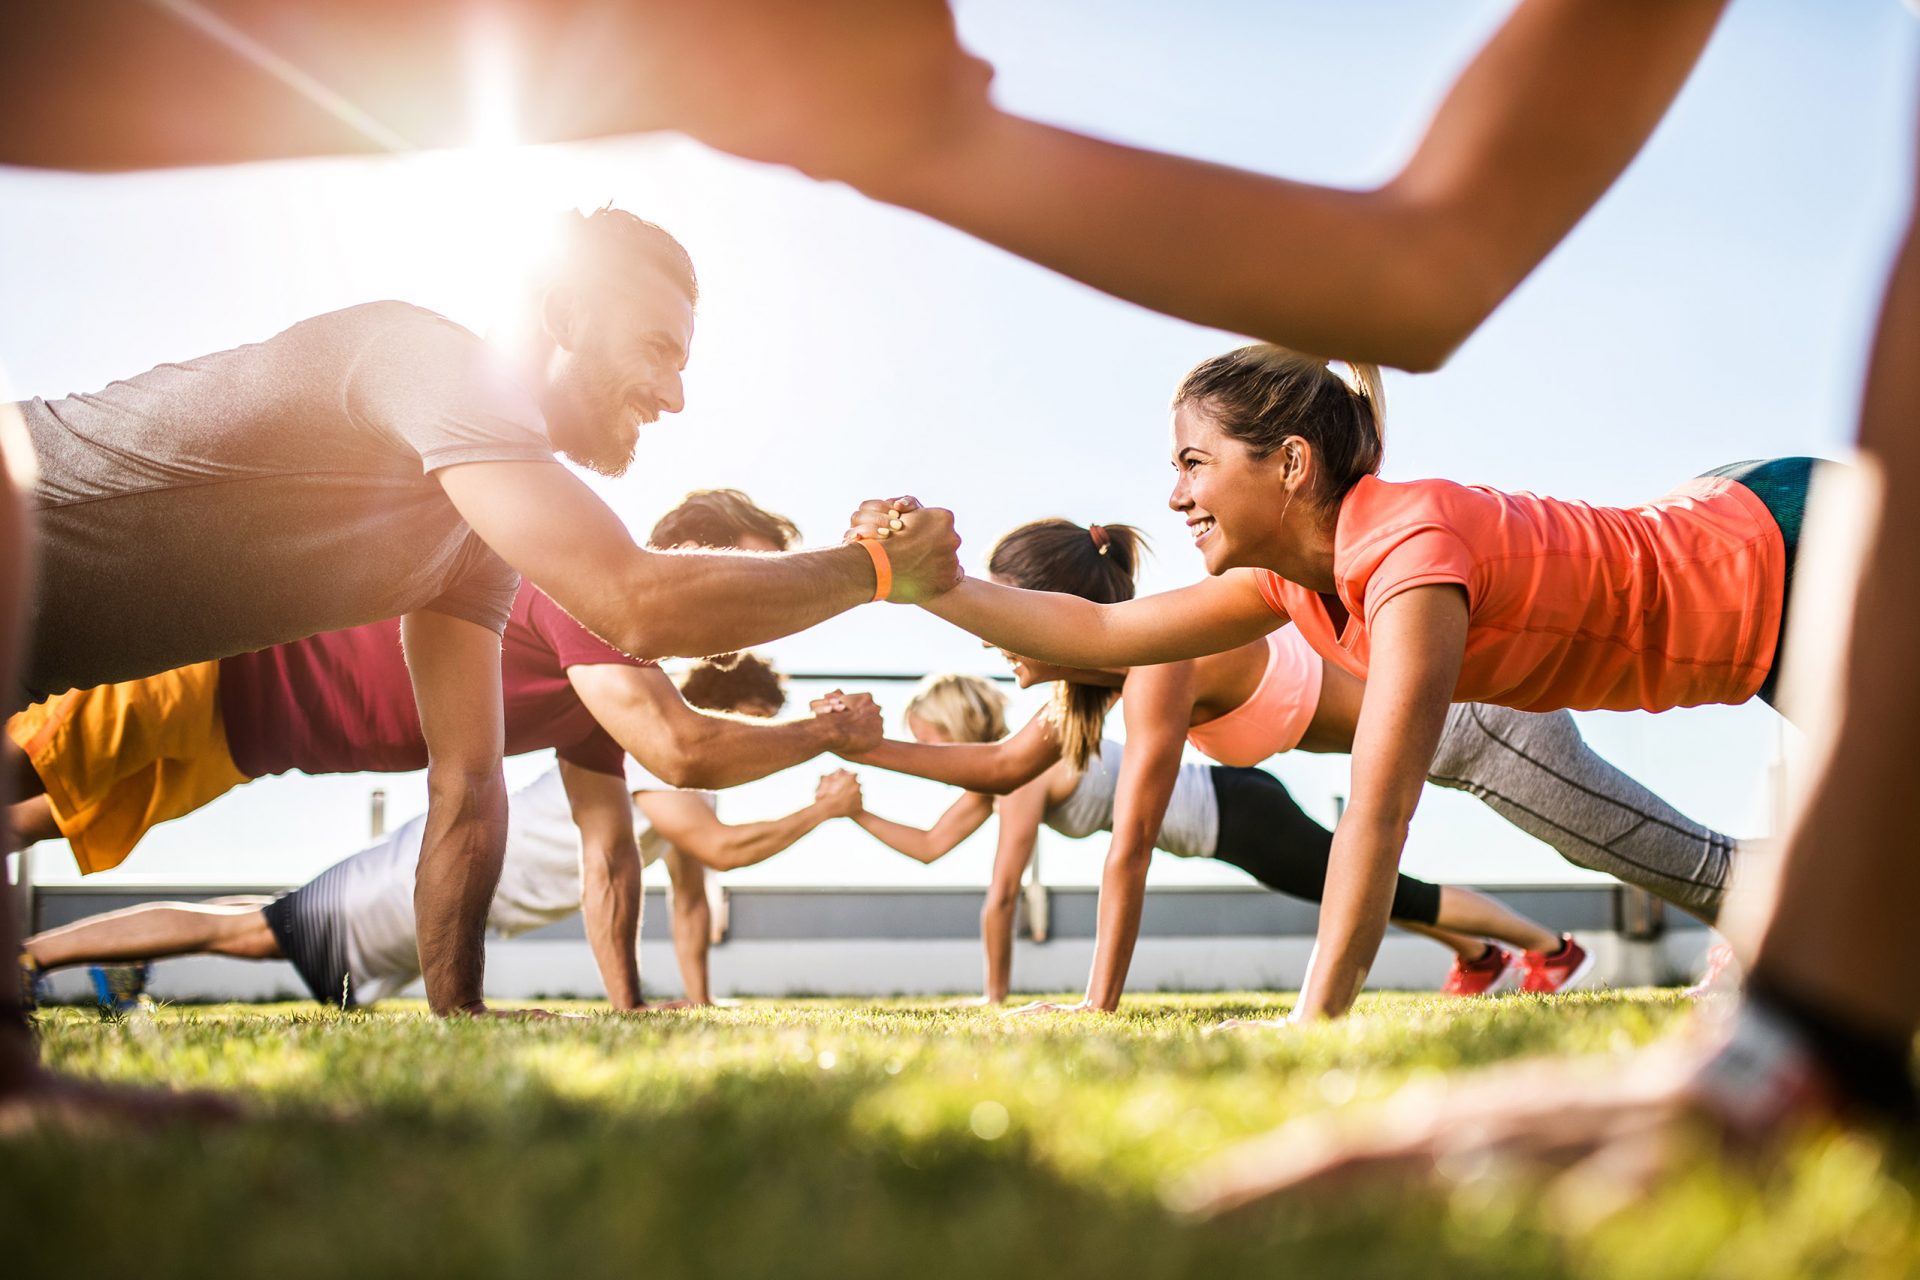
(867, 941)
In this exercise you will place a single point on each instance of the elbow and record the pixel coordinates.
(467, 785)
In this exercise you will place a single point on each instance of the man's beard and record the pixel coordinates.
(602, 439)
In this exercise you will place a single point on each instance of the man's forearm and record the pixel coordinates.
(612, 887)
(460, 857)
(751, 842)
(691, 604)
(720, 753)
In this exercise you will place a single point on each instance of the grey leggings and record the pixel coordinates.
(1537, 772)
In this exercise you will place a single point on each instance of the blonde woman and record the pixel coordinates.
(1243, 817)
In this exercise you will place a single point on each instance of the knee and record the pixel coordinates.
(247, 937)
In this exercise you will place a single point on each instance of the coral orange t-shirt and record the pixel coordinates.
(1672, 604)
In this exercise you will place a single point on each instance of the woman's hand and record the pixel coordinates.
(1054, 1006)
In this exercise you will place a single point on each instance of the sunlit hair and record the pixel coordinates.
(595, 248)
(1095, 562)
(964, 708)
(734, 681)
(721, 518)
(1260, 395)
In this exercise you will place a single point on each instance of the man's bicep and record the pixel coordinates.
(455, 668)
(545, 522)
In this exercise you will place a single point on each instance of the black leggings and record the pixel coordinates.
(1265, 834)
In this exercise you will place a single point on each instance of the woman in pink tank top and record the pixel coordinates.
(1433, 593)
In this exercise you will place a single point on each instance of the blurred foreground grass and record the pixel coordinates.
(842, 1139)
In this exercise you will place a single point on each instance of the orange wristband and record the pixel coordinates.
(882, 567)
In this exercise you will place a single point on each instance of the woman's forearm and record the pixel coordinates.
(1123, 892)
(901, 838)
(996, 936)
(1208, 617)
(991, 768)
(1353, 913)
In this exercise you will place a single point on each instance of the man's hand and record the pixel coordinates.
(921, 545)
(836, 88)
(853, 719)
(839, 793)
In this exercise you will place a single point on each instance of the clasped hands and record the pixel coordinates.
(920, 544)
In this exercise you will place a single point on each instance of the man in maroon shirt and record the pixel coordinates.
(342, 702)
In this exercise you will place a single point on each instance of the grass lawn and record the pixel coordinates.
(842, 1139)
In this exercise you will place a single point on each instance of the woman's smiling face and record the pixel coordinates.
(1233, 502)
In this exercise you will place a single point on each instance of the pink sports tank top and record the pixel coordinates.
(1277, 715)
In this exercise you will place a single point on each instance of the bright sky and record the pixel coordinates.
(1713, 308)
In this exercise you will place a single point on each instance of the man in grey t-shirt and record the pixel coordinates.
(381, 461)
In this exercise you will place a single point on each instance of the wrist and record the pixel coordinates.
(882, 566)
(939, 164)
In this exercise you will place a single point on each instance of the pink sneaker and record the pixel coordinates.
(1722, 976)
(1562, 970)
(1477, 977)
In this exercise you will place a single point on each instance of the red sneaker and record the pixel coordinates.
(1562, 970)
(1477, 977)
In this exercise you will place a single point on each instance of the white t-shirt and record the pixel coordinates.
(539, 881)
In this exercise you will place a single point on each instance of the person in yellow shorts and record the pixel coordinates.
(154, 749)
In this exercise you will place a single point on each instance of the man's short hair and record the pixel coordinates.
(732, 681)
(596, 246)
(721, 518)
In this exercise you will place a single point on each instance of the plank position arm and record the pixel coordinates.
(1020, 817)
(455, 667)
(1419, 638)
(655, 604)
(610, 881)
(930, 844)
(685, 746)
(1157, 703)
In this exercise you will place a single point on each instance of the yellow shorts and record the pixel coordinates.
(120, 758)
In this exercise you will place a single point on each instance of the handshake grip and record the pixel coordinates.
(915, 549)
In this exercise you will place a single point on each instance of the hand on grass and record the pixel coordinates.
(1054, 1006)
(46, 1101)
(1248, 1024)
(1606, 1132)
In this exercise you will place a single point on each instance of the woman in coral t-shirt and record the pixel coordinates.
(1431, 592)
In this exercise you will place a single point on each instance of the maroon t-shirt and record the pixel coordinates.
(342, 702)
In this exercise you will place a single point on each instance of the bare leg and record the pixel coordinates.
(1462, 911)
(155, 930)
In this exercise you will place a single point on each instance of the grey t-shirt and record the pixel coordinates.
(268, 493)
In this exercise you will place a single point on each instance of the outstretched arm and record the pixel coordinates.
(546, 523)
(610, 881)
(1532, 134)
(455, 666)
(994, 768)
(689, 823)
(962, 818)
(1419, 637)
(686, 747)
(1211, 616)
